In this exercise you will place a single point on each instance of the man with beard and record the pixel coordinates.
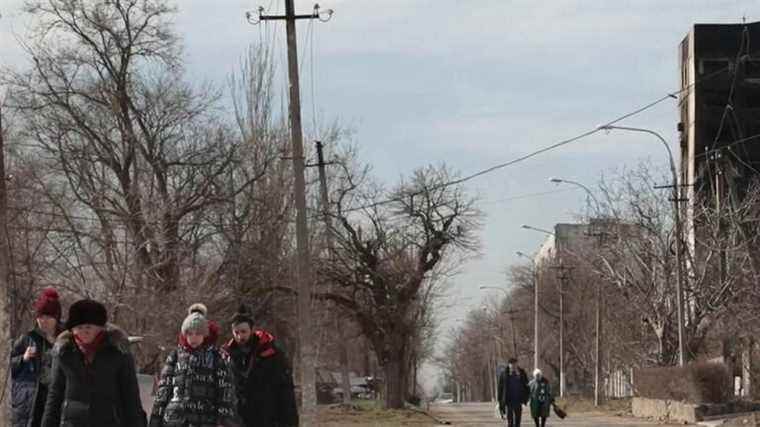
(262, 374)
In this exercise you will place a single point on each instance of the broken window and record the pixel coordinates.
(710, 66)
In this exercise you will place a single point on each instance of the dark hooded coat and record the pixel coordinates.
(97, 394)
(264, 382)
(30, 379)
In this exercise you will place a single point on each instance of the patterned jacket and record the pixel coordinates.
(195, 390)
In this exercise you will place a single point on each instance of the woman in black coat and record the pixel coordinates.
(94, 381)
(31, 360)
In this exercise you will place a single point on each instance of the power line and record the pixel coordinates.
(732, 144)
(531, 195)
(559, 144)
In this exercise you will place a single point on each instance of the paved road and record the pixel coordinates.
(482, 414)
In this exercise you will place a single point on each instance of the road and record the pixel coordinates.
(482, 414)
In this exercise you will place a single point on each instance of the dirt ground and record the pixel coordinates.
(370, 413)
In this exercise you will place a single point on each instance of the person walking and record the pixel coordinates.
(513, 392)
(93, 381)
(195, 389)
(541, 398)
(214, 330)
(31, 361)
(263, 378)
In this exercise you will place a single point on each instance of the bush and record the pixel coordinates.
(695, 383)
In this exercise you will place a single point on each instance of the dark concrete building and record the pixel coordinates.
(720, 111)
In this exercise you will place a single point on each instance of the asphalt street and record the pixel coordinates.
(483, 414)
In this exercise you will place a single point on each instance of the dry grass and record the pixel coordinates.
(369, 413)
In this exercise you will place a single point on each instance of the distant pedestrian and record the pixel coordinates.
(31, 361)
(93, 381)
(263, 378)
(541, 398)
(196, 388)
(513, 392)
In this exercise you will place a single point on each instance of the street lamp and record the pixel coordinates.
(679, 232)
(598, 314)
(588, 191)
(511, 318)
(540, 230)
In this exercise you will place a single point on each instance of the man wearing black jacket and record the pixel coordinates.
(263, 378)
(513, 392)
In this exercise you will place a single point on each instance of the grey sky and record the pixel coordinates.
(472, 83)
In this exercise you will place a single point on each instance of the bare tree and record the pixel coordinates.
(5, 301)
(385, 256)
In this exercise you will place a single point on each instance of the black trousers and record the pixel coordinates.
(540, 421)
(514, 414)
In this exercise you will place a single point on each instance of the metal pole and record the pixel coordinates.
(562, 338)
(535, 316)
(678, 237)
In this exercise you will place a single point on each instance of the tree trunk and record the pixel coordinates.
(5, 306)
(396, 380)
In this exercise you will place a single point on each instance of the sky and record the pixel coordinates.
(470, 83)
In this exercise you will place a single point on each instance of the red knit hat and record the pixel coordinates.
(48, 303)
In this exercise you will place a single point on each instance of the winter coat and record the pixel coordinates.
(508, 397)
(264, 382)
(30, 379)
(541, 398)
(101, 393)
(195, 390)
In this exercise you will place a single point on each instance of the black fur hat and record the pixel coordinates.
(85, 312)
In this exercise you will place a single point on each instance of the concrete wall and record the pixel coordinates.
(666, 410)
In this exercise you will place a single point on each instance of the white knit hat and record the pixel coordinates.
(195, 322)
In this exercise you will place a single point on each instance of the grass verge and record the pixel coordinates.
(369, 413)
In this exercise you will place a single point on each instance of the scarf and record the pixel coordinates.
(89, 350)
(186, 345)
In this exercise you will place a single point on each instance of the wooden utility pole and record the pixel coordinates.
(342, 345)
(563, 274)
(5, 303)
(304, 279)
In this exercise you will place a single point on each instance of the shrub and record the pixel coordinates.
(701, 382)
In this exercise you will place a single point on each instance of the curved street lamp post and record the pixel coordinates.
(679, 233)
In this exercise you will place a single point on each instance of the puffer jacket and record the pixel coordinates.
(264, 382)
(195, 390)
(30, 379)
(98, 394)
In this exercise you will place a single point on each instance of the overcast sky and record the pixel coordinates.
(471, 83)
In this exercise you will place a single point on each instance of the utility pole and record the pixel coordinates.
(598, 326)
(306, 353)
(342, 345)
(563, 274)
(535, 315)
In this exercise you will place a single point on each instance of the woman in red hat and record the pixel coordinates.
(31, 361)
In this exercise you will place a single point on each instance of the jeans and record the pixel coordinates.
(514, 414)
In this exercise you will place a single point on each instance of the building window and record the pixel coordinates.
(752, 69)
(710, 66)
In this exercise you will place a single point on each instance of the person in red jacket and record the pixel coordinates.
(262, 375)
